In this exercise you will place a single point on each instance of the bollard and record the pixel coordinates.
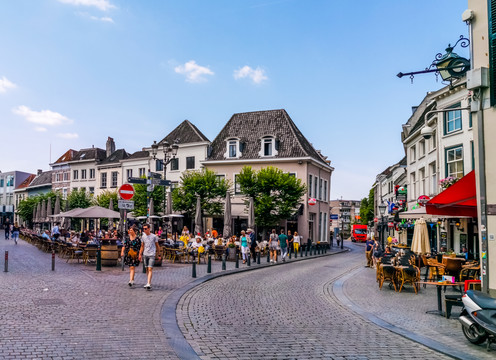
(301, 250)
(296, 254)
(268, 256)
(237, 262)
(223, 261)
(248, 262)
(258, 258)
(318, 250)
(209, 264)
(306, 251)
(53, 259)
(99, 259)
(194, 269)
(6, 261)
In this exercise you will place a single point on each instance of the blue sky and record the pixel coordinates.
(73, 72)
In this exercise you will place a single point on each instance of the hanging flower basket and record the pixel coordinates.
(447, 182)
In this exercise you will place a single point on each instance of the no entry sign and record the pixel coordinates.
(126, 191)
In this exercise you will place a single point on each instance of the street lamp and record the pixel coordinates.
(382, 211)
(169, 154)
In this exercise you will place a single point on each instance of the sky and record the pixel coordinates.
(73, 72)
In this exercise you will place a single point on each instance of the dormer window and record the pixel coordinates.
(233, 149)
(269, 146)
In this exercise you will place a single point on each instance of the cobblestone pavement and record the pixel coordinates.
(76, 312)
(288, 312)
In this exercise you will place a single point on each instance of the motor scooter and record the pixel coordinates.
(478, 318)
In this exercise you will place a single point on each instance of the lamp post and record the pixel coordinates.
(382, 211)
(169, 154)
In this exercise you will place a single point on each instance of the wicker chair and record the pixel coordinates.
(386, 271)
(408, 275)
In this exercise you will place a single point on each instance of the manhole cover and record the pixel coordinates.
(46, 302)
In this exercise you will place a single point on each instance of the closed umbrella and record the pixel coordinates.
(227, 216)
(251, 213)
(67, 221)
(34, 214)
(38, 212)
(420, 241)
(43, 211)
(198, 216)
(56, 210)
(111, 207)
(49, 210)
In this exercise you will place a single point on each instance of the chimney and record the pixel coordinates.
(110, 146)
(39, 172)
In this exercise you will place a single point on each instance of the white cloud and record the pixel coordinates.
(40, 129)
(6, 84)
(68, 135)
(43, 117)
(95, 18)
(106, 19)
(256, 75)
(103, 5)
(194, 72)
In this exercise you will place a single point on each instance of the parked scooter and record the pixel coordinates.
(478, 318)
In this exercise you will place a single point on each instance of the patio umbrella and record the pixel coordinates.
(67, 221)
(56, 210)
(111, 207)
(43, 211)
(420, 241)
(38, 212)
(198, 216)
(227, 216)
(34, 214)
(150, 214)
(251, 214)
(49, 210)
(96, 212)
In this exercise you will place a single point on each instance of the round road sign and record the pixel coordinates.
(126, 191)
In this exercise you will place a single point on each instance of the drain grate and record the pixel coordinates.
(48, 302)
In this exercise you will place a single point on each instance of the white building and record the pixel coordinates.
(83, 168)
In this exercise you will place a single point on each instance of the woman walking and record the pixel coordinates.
(15, 232)
(130, 252)
(296, 241)
(244, 246)
(273, 245)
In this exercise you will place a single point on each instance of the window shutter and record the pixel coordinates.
(492, 49)
(241, 146)
(209, 151)
(277, 144)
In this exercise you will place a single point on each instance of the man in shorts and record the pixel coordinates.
(149, 249)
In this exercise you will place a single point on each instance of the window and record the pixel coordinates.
(237, 187)
(423, 179)
(433, 141)
(91, 190)
(454, 162)
(190, 162)
(220, 177)
(433, 178)
(413, 195)
(174, 164)
(421, 148)
(453, 120)
(129, 173)
(325, 190)
(310, 185)
(64, 193)
(83, 174)
(320, 189)
(267, 147)
(413, 154)
(10, 180)
(141, 172)
(58, 177)
(1, 182)
(315, 186)
(233, 144)
(75, 174)
(114, 179)
(75, 188)
(66, 176)
(473, 154)
(103, 180)
(174, 185)
(92, 173)
(159, 165)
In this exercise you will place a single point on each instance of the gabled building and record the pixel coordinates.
(109, 174)
(61, 173)
(83, 167)
(9, 181)
(270, 138)
(135, 165)
(21, 193)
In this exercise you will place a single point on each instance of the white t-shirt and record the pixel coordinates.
(149, 243)
(296, 239)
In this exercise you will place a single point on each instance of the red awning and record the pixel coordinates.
(459, 199)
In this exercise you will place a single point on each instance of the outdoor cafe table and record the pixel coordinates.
(439, 286)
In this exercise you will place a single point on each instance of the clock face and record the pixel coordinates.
(464, 66)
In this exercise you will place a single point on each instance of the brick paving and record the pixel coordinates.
(76, 312)
(287, 312)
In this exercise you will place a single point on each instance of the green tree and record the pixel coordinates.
(370, 207)
(141, 201)
(210, 188)
(26, 206)
(103, 199)
(277, 195)
(80, 199)
(364, 211)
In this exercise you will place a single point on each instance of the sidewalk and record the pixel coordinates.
(407, 311)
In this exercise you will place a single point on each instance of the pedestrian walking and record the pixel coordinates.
(148, 251)
(338, 239)
(15, 232)
(290, 242)
(273, 245)
(7, 230)
(296, 241)
(376, 252)
(245, 250)
(283, 244)
(130, 252)
(369, 247)
(253, 244)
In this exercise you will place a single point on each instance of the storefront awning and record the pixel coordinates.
(458, 200)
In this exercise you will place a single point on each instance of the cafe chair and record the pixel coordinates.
(387, 272)
(409, 275)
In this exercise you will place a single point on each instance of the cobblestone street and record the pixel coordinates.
(283, 311)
